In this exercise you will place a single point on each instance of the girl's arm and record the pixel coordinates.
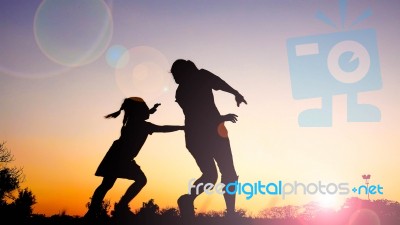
(167, 128)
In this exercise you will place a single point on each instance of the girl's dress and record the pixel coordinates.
(119, 160)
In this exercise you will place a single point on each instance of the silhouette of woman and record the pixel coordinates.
(205, 134)
(119, 161)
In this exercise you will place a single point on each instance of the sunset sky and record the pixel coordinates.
(64, 65)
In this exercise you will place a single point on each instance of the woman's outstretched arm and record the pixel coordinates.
(218, 84)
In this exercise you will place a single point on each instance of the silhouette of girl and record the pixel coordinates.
(119, 161)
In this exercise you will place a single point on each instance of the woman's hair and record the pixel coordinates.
(177, 66)
(181, 67)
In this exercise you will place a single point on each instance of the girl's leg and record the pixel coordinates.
(134, 189)
(101, 192)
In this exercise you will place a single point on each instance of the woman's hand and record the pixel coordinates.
(230, 117)
(240, 99)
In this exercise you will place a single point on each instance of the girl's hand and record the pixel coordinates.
(154, 109)
(230, 117)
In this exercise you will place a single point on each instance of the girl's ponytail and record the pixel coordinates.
(113, 115)
(116, 114)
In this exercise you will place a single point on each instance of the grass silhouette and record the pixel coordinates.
(354, 211)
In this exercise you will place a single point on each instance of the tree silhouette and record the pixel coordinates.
(10, 177)
(103, 212)
(310, 211)
(18, 209)
(169, 212)
(22, 206)
(284, 212)
(149, 212)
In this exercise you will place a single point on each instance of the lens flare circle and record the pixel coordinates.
(146, 73)
(73, 33)
(116, 56)
(222, 131)
(20, 56)
(364, 217)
